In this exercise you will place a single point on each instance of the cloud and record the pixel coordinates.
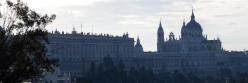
(60, 3)
(141, 17)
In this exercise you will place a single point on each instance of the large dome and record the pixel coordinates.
(194, 26)
(192, 30)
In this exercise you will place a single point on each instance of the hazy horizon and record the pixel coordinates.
(225, 19)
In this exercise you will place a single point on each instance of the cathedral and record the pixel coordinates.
(192, 52)
(192, 39)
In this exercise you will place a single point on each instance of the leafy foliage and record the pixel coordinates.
(115, 72)
(23, 40)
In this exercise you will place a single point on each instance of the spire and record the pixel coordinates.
(160, 28)
(160, 37)
(138, 46)
(192, 15)
(138, 41)
(160, 24)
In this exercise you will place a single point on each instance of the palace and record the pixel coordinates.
(192, 52)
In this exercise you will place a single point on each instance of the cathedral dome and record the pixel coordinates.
(194, 26)
(192, 30)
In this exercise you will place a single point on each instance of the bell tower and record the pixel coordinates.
(138, 46)
(160, 37)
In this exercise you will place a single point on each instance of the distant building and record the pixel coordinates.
(192, 52)
(192, 40)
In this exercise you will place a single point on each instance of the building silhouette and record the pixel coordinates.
(192, 39)
(193, 52)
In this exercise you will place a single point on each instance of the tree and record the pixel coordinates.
(23, 40)
(194, 79)
(178, 77)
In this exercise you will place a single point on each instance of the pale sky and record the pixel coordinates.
(226, 19)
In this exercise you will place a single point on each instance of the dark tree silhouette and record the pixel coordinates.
(23, 40)
(111, 71)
